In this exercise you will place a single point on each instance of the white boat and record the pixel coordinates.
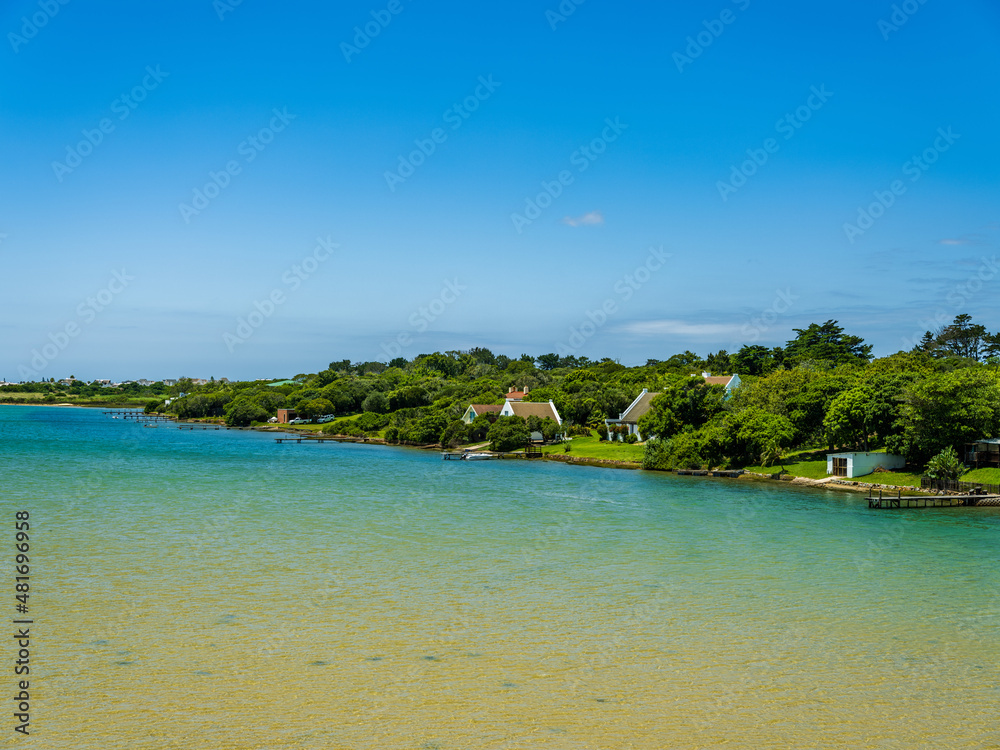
(478, 456)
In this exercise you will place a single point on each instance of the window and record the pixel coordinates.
(840, 467)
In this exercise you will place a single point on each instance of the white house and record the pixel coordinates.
(475, 410)
(525, 409)
(630, 417)
(852, 465)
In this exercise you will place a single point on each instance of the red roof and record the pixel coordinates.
(515, 396)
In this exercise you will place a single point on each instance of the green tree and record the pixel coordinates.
(826, 343)
(963, 338)
(377, 402)
(243, 412)
(947, 409)
(748, 436)
(508, 433)
(317, 407)
(683, 402)
(756, 360)
(455, 433)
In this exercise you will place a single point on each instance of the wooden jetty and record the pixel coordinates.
(729, 474)
(899, 502)
(308, 440)
(532, 451)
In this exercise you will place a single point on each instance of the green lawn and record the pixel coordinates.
(308, 427)
(986, 476)
(591, 447)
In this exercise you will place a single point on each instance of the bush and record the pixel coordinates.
(508, 433)
(631, 438)
(455, 433)
(946, 465)
(425, 430)
(376, 402)
(657, 455)
(244, 412)
(372, 422)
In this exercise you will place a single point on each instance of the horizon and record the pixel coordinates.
(389, 180)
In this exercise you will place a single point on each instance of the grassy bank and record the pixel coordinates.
(591, 447)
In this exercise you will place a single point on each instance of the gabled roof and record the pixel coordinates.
(540, 409)
(639, 407)
(485, 408)
(723, 380)
(515, 395)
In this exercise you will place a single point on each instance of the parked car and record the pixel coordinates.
(299, 421)
(326, 418)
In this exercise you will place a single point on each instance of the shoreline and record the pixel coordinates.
(835, 483)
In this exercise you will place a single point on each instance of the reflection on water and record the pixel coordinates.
(217, 590)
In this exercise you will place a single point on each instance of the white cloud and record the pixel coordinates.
(679, 328)
(589, 219)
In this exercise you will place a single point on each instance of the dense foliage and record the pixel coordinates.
(820, 390)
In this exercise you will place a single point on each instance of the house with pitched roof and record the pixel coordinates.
(638, 408)
(631, 416)
(475, 410)
(729, 382)
(525, 409)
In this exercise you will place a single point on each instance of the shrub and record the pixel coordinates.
(377, 402)
(656, 455)
(946, 465)
(508, 433)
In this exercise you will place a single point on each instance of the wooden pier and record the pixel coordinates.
(899, 502)
(308, 440)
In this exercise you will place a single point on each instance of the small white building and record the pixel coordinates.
(852, 465)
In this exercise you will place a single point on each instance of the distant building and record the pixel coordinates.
(516, 395)
(525, 409)
(729, 382)
(475, 410)
(631, 416)
(983, 453)
(286, 415)
(169, 382)
(850, 465)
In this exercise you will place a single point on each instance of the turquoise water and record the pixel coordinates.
(217, 590)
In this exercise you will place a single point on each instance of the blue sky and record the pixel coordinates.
(454, 181)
